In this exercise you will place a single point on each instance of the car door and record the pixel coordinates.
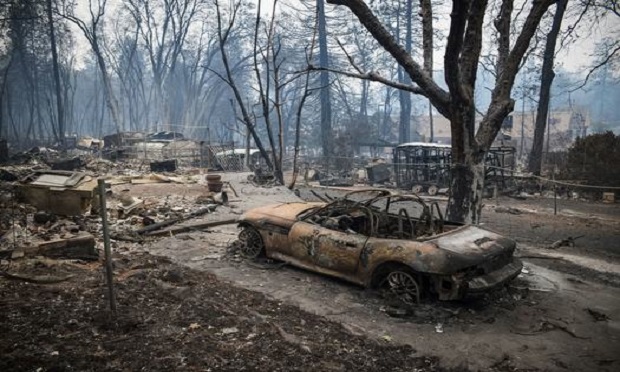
(331, 250)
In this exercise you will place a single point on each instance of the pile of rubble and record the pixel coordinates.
(49, 212)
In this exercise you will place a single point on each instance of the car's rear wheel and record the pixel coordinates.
(403, 285)
(251, 242)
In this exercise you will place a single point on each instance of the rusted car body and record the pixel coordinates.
(383, 240)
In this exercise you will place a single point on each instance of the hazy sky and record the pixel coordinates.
(578, 57)
(575, 58)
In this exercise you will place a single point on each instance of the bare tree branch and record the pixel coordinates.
(423, 79)
(602, 63)
(372, 76)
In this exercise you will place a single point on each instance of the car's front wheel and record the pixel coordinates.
(401, 284)
(251, 242)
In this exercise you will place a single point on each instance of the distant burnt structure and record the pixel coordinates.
(425, 167)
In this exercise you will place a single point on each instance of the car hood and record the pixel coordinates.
(474, 241)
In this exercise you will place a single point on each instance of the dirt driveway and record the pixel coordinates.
(560, 314)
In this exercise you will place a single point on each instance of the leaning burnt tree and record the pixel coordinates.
(461, 58)
(546, 79)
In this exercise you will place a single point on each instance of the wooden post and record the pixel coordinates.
(106, 245)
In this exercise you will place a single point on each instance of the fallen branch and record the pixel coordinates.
(199, 226)
(291, 338)
(160, 225)
(568, 242)
(232, 188)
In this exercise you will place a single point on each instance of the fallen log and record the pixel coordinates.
(160, 225)
(187, 228)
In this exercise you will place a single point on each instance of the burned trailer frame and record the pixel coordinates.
(500, 166)
(421, 166)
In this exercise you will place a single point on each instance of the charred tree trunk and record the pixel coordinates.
(59, 107)
(404, 126)
(466, 190)
(364, 100)
(325, 96)
(426, 12)
(3, 88)
(110, 97)
(467, 171)
(404, 132)
(547, 76)
(278, 107)
(298, 131)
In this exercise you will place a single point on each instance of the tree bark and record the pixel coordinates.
(404, 133)
(325, 96)
(298, 131)
(426, 12)
(110, 97)
(547, 76)
(59, 106)
(466, 188)
(3, 86)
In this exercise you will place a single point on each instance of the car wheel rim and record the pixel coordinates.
(252, 243)
(402, 285)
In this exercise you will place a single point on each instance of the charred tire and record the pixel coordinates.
(398, 283)
(252, 245)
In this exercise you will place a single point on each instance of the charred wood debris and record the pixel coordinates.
(49, 204)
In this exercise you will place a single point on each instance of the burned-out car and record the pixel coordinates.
(375, 238)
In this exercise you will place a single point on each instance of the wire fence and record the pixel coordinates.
(406, 175)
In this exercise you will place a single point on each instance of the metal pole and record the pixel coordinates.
(106, 245)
